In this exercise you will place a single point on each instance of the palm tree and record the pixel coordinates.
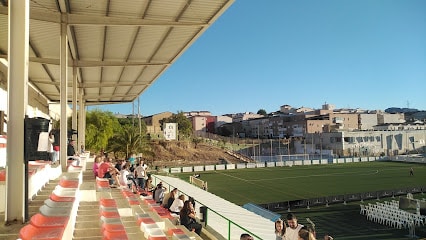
(128, 141)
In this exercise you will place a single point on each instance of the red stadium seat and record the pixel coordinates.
(57, 198)
(68, 183)
(107, 202)
(30, 232)
(2, 175)
(39, 220)
(114, 236)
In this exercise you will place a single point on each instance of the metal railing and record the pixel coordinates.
(219, 223)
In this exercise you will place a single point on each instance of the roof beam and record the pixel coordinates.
(81, 19)
(95, 103)
(97, 96)
(108, 96)
(84, 64)
(92, 84)
(113, 84)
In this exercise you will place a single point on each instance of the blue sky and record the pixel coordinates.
(264, 54)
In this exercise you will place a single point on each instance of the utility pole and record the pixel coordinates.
(258, 138)
(279, 146)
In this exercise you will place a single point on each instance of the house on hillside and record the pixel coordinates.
(153, 126)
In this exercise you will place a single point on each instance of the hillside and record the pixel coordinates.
(181, 153)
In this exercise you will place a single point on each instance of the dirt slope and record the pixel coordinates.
(169, 154)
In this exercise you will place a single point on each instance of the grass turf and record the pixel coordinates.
(280, 184)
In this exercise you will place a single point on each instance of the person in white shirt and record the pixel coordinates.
(123, 177)
(292, 231)
(177, 204)
(140, 173)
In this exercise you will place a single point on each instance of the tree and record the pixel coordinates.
(128, 141)
(100, 127)
(133, 122)
(262, 112)
(184, 124)
(196, 141)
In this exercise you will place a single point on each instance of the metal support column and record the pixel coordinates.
(17, 103)
(64, 94)
(74, 104)
(81, 117)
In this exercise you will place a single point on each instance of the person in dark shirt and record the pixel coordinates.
(187, 218)
(71, 154)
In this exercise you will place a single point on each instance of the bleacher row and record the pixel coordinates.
(56, 219)
(39, 173)
(154, 221)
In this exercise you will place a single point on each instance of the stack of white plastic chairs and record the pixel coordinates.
(388, 213)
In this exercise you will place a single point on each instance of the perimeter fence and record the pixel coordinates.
(343, 199)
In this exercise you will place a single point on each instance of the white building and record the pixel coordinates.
(239, 117)
(220, 120)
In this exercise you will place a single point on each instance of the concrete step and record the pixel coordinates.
(87, 233)
(88, 212)
(88, 224)
(89, 204)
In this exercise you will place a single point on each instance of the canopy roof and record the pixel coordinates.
(117, 48)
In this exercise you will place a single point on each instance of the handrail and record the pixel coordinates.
(230, 222)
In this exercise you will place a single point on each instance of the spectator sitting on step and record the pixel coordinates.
(158, 194)
(148, 185)
(177, 204)
(169, 198)
(188, 219)
(107, 170)
(119, 164)
(96, 163)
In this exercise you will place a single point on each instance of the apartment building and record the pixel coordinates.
(221, 120)
(197, 113)
(390, 118)
(153, 126)
(203, 123)
(369, 143)
(239, 117)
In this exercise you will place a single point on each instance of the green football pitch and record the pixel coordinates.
(281, 184)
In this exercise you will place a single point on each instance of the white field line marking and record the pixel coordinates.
(274, 189)
(304, 176)
(360, 173)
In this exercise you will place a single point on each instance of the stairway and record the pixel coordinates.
(12, 232)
